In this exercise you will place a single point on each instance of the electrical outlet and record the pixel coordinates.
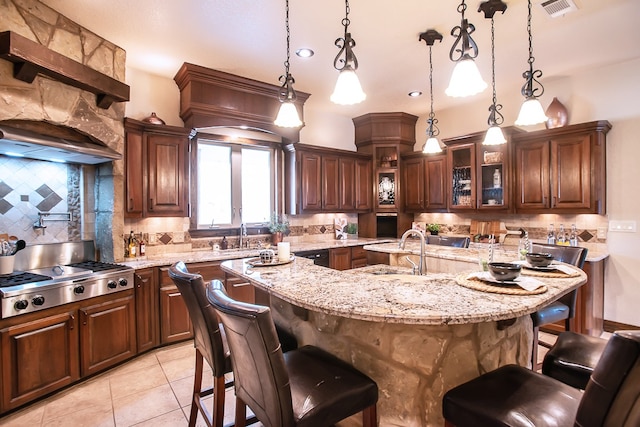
(602, 233)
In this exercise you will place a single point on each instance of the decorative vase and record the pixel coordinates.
(557, 114)
(433, 233)
(276, 237)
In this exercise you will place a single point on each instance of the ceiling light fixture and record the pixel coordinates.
(288, 114)
(305, 52)
(531, 112)
(494, 135)
(465, 79)
(348, 90)
(415, 93)
(432, 145)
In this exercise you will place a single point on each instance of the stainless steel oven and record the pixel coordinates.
(51, 275)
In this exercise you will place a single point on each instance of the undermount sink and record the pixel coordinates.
(389, 271)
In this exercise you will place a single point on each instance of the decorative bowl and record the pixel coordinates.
(539, 259)
(504, 271)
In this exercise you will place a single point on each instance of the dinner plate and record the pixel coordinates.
(547, 268)
(257, 262)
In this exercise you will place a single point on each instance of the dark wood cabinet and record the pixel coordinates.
(326, 180)
(358, 257)
(340, 258)
(423, 182)
(175, 323)
(562, 170)
(107, 333)
(39, 356)
(461, 159)
(156, 170)
(147, 304)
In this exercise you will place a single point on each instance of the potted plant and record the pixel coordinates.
(352, 230)
(278, 226)
(433, 229)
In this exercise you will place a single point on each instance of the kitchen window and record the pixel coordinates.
(234, 184)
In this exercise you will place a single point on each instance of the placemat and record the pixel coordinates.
(550, 274)
(479, 285)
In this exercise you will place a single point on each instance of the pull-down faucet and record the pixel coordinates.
(422, 265)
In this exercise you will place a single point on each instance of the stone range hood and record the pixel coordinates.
(58, 96)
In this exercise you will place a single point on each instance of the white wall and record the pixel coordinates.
(609, 93)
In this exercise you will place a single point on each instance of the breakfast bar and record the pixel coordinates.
(416, 336)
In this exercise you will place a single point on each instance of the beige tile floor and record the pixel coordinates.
(152, 390)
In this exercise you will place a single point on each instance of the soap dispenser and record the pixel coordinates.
(224, 244)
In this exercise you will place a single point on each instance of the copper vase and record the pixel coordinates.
(557, 115)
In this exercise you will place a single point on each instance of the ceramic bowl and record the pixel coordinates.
(504, 271)
(538, 259)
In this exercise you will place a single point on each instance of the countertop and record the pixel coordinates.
(433, 299)
(221, 255)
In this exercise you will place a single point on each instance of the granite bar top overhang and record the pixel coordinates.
(433, 299)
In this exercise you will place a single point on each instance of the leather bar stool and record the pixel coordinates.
(518, 397)
(306, 387)
(210, 343)
(573, 358)
(562, 309)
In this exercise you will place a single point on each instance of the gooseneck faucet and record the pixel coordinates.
(422, 265)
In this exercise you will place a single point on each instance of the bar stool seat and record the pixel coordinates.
(573, 358)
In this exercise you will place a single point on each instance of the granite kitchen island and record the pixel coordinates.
(416, 336)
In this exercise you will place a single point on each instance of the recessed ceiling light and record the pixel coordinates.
(304, 52)
(415, 93)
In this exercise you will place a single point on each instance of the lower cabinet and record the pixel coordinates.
(107, 334)
(147, 305)
(347, 258)
(175, 324)
(38, 357)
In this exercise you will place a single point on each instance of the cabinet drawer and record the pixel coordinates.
(358, 252)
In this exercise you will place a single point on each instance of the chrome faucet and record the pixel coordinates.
(422, 265)
(243, 234)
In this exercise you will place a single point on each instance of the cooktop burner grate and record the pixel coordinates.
(96, 266)
(21, 278)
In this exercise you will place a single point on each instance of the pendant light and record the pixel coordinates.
(465, 79)
(348, 90)
(531, 112)
(288, 114)
(432, 145)
(494, 135)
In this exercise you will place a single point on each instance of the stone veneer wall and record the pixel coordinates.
(60, 104)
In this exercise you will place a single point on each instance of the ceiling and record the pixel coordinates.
(247, 38)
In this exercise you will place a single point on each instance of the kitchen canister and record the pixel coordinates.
(6, 264)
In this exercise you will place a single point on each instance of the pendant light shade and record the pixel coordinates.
(465, 79)
(348, 90)
(531, 112)
(494, 135)
(432, 145)
(288, 113)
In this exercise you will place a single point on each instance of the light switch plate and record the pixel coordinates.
(622, 226)
(602, 233)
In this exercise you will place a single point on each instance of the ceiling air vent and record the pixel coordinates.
(557, 8)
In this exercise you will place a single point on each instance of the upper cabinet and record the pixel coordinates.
(423, 182)
(156, 170)
(327, 180)
(479, 176)
(563, 169)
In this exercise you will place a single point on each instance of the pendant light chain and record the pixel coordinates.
(345, 20)
(286, 63)
(431, 114)
(495, 117)
(531, 58)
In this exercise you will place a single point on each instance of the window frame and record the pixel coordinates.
(236, 144)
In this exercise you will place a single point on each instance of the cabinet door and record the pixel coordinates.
(107, 334)
(134, 175)
(494, 178)
(462, 176)
(38, 357)
(413, 184)
(310, 182)
(340, 258)
(532, 175)
(571, 173)
(347, 183)
(239, 289)
(435, 183)
(147, 321)
(330, 183)
(167, 163)
(175, 323)
(364, 185)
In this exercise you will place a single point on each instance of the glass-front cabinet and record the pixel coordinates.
(462, 170)
(493, 177)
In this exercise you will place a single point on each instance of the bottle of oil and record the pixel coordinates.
(562, 237)
(132, 245)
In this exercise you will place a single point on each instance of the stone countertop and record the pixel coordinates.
(471, 254)
(434, 299)
(222, 255)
